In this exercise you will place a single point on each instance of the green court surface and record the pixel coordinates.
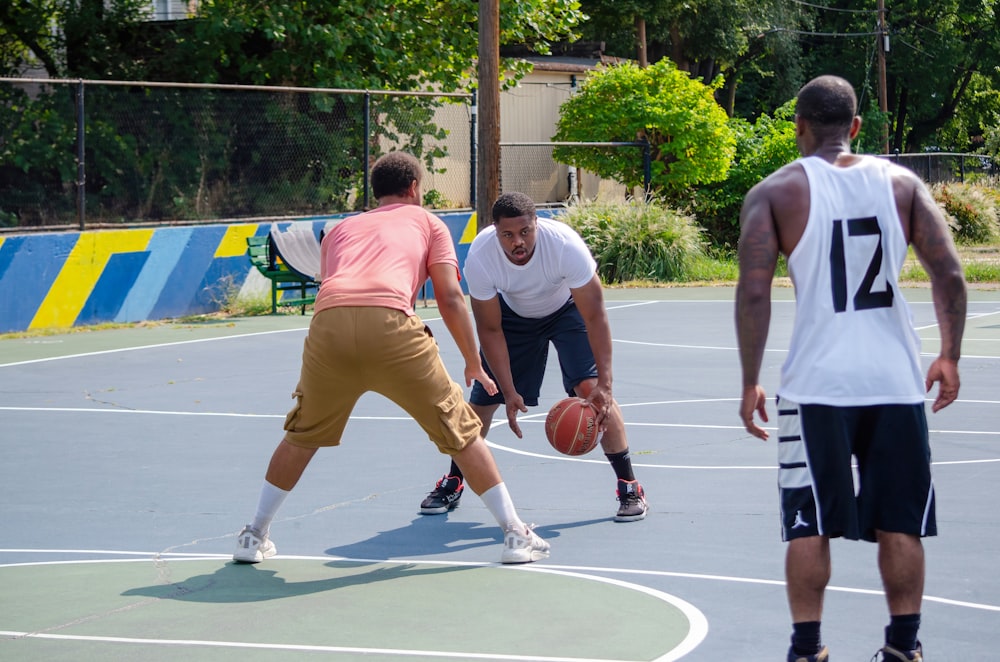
(165, 609)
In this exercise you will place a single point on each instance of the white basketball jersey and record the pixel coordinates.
(853, 342)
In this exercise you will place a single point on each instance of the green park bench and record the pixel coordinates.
(290, 260)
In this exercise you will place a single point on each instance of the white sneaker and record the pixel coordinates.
(251, 547)
(523, 547)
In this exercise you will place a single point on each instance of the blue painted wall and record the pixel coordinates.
(66, 279)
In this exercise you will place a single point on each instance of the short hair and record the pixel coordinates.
(828, 101)
(394, 173)
(510, 205)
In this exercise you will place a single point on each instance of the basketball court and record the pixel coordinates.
(131, 458)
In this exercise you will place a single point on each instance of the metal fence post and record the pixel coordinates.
(647, 168)
(473, 148)
(365, 151)
(81, 171)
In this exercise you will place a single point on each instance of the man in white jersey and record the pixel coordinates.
(534, 281)
(852, 384)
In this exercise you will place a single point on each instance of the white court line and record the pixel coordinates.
(138, 347)
(435, 319)
(538, 566)
(697, 631)
(530, 418)
(718, 348)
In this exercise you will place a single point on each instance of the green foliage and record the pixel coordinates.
(638, 240)
(761, 148)
(434, 199)
(378, 44)
(687, 130)
(972, 211)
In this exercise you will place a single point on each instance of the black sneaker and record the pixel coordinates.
(632, 498)
(445, 496)
(890, 654)
(822, 656)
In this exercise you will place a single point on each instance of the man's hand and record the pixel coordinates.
(599, 397)
(515, 403)
(945, 372)
(477, 373)
(754, 399)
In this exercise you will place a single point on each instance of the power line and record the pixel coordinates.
(824, 34)
(835, 9)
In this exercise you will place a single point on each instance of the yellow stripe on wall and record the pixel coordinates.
(80, 272)
(234, 242)
(470, 231)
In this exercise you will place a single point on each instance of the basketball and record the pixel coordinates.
(571, 426)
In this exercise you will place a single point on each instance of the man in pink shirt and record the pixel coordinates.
(365, 336)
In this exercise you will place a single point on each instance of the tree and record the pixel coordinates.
(689, 139)
(70, 39)
(379, 44)
(706, 38)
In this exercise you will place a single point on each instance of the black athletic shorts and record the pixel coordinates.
(820, 492)
(528, 347)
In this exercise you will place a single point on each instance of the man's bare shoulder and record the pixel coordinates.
(786, 185)
(789, 176)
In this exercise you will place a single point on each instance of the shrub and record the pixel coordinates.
(761, 148)
(690, 140)
(971, 210)
(638, 240)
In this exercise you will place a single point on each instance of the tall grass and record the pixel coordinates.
(638, 240)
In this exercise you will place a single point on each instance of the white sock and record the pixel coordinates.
(497, 500)
(271, 498)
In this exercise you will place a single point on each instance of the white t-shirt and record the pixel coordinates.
(853, 342)
(561, 261)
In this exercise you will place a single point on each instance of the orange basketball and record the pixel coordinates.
(571, 426)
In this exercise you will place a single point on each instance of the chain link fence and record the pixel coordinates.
(93, 153)
(89, 154)
(941, 167)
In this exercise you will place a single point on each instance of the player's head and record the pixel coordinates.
(516, 226)
(829, 105)
(396, 174)
(512, 204)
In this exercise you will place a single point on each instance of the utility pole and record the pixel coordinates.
(640, 37)
(488, 175)
(883, 48)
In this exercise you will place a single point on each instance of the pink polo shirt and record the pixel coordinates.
(381, 258)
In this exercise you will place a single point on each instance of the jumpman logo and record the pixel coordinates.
(799, 523)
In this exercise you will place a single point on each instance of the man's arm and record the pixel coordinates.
(934, 247)
(758, 256)
(455, 313)
(589, 300)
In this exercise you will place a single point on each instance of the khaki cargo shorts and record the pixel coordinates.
(352, 350)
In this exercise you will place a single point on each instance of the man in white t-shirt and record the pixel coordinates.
(851, 386)
(533, 281)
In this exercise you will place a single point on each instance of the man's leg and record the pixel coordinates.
(287, 464)
(447, 492)
(521, 545)
(901, 564)
(283, 472)
(614, 443)
(807, 572)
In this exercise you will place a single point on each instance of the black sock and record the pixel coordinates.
(805, 637)
(901, 633)
(455, 471)
(622, 464)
